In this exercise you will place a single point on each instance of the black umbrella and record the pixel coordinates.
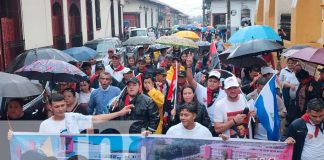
(32, 55)
(223, 56)
(246, 62)
(254, 48)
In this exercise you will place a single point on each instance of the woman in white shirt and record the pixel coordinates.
(85, 91)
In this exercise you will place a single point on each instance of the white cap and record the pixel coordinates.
(214, 73)
(231, 82)
(266, 70)
(126, 70)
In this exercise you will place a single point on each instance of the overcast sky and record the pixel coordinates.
(189, 7)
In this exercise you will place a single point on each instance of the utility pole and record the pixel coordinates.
(228, 5)
(204, 12)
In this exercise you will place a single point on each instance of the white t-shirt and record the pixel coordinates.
(73, 123)
(201, 94)
(226, 110)
(85, 97)
(284, 74)
(118, 75)
(313, 147)
(292, 79)
(180, 130)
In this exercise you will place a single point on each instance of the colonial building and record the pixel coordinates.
(151, 13)
(61, 24)
(240, 10)
(302, 20)
(27, 24)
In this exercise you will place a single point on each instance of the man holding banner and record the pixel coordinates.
(231, 112)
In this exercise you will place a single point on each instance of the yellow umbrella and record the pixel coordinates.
(188, 34)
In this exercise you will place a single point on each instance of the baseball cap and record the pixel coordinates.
(126, 70)
(266, 70)
(117, 55)
(182, 74)
(215, 74)
(99, 66)
(231, 82)
(160, 71)
(141, 59)
(133, 80)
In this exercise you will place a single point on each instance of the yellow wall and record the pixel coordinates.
(322, 40)
(306, 22)
(259, 12)
(269, 13)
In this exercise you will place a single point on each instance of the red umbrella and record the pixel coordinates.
(310, 54)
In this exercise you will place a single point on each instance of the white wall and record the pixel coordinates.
(219, 6)
(133, 6)
(115, 2)
(66, 22)
(83, 20)
(105, 30)
(37, 23)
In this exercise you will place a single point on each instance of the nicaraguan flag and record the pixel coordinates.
(267, 110)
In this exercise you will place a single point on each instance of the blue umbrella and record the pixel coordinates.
(81, 53)
(254, 32)
(189, 27)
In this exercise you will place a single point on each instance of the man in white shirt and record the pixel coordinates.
(284, 75)
(116, 68)
(229, 117)
(208, 96)
(188, 127)
(72, 123)
(306, 133)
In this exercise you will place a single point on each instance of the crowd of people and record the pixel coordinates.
(142, 89)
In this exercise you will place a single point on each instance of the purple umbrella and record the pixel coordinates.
(52, 70)
(312, 55)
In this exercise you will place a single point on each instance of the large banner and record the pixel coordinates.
(136, 147)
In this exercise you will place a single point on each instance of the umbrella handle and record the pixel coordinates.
(9, 124)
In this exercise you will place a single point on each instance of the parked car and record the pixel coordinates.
(102, 45)
(138, 32)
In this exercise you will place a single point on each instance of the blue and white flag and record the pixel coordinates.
(267, 110)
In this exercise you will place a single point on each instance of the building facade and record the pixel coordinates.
(240, 10)
(151, 13)
(55, 23)
(302, 20)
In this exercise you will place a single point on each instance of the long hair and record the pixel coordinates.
(194, 100)
(148, 76)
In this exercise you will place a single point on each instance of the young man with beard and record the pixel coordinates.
(209, 95)
(229, 110)
(145, 113)
(116, 69)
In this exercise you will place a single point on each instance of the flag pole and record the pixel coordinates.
(176, 86)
